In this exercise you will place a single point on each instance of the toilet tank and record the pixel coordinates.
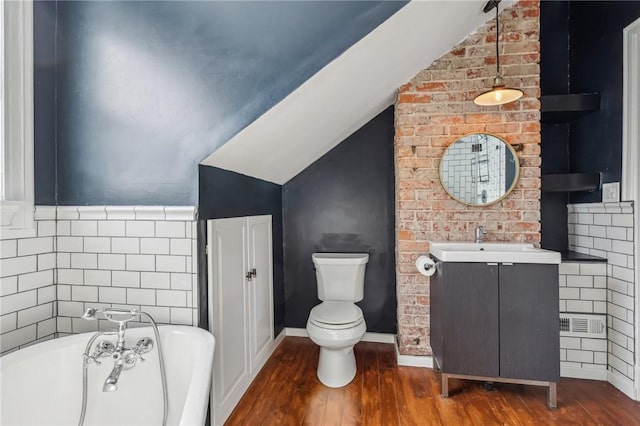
(340, 276)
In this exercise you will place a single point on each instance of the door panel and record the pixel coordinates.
(529, 324)
(260, 290)
(228, 309)
(470, 319)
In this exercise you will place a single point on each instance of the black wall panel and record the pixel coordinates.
(596, 56)
(344, 202)
(581, 52)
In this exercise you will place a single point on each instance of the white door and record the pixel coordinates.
(260, 291)
(228, 312)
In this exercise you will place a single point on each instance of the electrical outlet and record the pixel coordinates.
(611, 192)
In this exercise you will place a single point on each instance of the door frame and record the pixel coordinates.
(631, 161)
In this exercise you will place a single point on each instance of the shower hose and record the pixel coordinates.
(162, 370)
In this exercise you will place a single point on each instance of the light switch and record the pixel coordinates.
(611, 192)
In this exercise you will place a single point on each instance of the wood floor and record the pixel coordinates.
(287, 392)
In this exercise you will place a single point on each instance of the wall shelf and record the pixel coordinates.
(566, 108)
(571, 182)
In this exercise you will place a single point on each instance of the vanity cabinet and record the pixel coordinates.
(240, 269)
(496, 322)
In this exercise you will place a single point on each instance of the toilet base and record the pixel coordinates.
(336, 367)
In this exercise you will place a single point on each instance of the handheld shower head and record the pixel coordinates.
(121, 315)
(89, 314)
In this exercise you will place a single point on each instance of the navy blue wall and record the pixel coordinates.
(145, 90)
(596, 55)
(44, 81)
(225, 194)
(344, 202)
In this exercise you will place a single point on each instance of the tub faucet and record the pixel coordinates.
(111, 384)
(480, 231)
(123, 357)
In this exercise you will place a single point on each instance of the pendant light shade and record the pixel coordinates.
(499, 93)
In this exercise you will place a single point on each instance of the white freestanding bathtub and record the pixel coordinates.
(42, 384)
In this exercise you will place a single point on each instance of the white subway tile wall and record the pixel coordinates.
(124, 256)
(583, 290)
(28, 304)
(606, 230)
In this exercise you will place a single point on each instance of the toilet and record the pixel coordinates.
(337, 324)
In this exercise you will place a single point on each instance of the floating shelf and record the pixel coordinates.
(566, 108)
(571, 182)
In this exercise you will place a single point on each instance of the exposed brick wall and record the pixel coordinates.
(433, 110)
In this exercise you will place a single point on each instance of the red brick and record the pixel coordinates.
(482, 118)
(414, 98)
(432, 87)
(432, 111)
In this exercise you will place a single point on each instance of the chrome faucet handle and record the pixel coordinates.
(144, 345)
(103, 348)
(480, 232)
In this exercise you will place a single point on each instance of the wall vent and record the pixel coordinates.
(593, 326)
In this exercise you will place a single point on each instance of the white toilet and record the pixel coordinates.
(337, 324)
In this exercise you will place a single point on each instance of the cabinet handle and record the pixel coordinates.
(507, 264)
(251, 273)
(492, 263)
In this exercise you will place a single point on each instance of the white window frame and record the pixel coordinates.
(17, 192)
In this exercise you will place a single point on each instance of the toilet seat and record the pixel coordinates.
(336, 315)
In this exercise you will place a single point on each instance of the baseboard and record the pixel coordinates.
(622, 383)
(279, 338)
(295, 332)
(583, 373)
(413, 360)
(368, 337)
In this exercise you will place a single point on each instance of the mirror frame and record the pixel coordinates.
(516, 175)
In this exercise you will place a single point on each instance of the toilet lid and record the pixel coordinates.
(336, 313)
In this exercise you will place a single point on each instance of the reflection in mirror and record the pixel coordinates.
(479, 169)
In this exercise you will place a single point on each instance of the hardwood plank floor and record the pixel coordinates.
(287, 392)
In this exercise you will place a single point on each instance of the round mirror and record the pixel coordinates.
(479, 169)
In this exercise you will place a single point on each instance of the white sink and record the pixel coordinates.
(492, 252)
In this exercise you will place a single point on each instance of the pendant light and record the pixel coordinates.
(499, 93)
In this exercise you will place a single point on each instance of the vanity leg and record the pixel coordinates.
(552, 401)
(444, 386)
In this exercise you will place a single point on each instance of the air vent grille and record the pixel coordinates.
(583, 325)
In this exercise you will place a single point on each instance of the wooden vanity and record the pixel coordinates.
(496, 322)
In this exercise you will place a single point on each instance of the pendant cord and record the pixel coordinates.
(497, 38)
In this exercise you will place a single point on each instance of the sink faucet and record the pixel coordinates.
(480, 231)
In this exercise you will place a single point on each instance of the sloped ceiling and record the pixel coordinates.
(348, 92)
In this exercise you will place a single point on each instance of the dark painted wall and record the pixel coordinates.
(554, 80)
(581, 52)
(145, 90)
(596, 66)
(344, 202)
(44, 81)
(225, 194)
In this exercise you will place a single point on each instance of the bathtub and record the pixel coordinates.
(42, 384)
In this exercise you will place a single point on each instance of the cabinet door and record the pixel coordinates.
(529, 323)
(469, 315)
(228, 312)
(260, 291)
